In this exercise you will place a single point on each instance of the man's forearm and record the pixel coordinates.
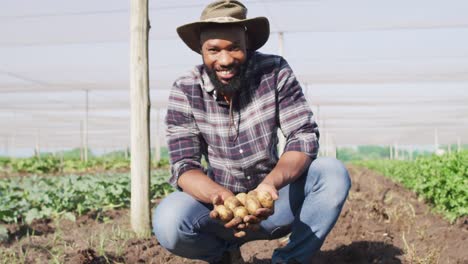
(201, 187)
(290, 166)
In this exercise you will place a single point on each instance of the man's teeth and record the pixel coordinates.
(225, 72)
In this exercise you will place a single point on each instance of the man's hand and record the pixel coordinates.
(236, 223)
(249, 222)
(252, 222)
(262, 213)
(218, 199)
(269, 188)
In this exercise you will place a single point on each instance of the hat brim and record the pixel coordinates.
(258, 32)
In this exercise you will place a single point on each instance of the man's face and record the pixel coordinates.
(224, 52)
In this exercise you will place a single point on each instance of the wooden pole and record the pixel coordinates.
(61, 161)
(396, 152)
(38, 148)
(86, 127)
(140, 112)
(82, 141)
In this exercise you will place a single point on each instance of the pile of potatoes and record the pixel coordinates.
(244, 204)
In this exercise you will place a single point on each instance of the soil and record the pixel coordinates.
(381, 222)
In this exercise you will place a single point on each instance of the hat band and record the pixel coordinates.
(221, 19)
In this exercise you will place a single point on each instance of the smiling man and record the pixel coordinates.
(227, 112)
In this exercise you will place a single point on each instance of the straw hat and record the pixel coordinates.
(226, 12)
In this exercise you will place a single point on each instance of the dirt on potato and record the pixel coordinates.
(381, 222)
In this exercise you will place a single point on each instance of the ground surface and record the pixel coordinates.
(380, 223)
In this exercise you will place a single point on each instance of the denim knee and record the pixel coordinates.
(331, 175)
(165, 223)
(177, 224)
(171, 221)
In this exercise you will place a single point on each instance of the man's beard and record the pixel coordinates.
(234, 85)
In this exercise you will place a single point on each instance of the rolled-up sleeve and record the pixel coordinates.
(295, 116)
(183, 135)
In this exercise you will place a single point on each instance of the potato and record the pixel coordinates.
(240, 211)
(265, 199)
(241, 197)
(252, 204)
(253, 193)
(225, 214)
(232, 202)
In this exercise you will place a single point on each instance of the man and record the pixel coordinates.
(227, 112)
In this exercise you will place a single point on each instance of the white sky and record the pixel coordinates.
(376, 72)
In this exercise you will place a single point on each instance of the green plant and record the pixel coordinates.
(28, 198)
(440, 180)
(35, 165)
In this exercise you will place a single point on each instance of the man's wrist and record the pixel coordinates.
(275, 180)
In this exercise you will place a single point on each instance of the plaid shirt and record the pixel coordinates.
(240, 147)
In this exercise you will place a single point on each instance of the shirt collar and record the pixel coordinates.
(206, 83)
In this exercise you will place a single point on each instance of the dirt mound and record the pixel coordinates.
(38, 227)
(381, 222)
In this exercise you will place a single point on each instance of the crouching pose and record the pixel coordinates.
(227, 112)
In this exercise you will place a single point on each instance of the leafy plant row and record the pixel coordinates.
(28, 198)
(52, 164)
(440, 180)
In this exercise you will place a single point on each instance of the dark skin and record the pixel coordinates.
(224, 49)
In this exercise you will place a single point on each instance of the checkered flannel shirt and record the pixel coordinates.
(240, 147)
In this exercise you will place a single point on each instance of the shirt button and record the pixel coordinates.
(241, 151)
(248, 177)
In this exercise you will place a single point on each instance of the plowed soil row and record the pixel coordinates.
(381, 222)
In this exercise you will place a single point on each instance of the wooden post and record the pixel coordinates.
(395, 154)
(37, 150)
(61, 161)
(82, 141)
(140, 112)
(86, 127)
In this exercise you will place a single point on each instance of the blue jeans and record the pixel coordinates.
(308, 208)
